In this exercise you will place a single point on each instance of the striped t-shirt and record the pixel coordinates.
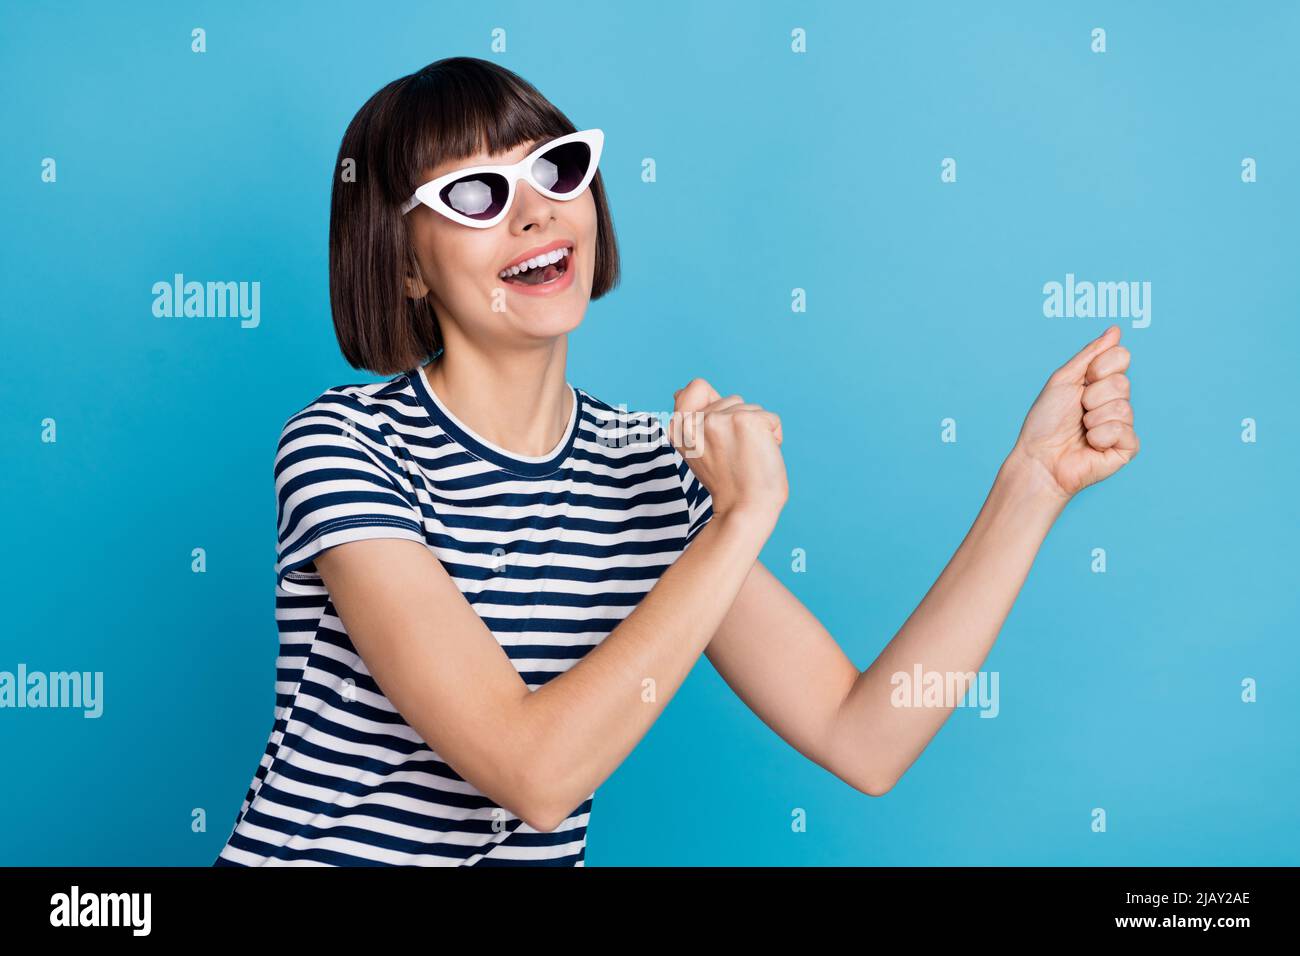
(552, 551)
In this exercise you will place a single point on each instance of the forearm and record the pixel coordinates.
(951, 631)
(583, 723)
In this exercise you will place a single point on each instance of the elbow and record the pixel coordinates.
(534, 808)
(538, 803)
(872, 782)
(531, 779)
(544, 820)
(542, 815)
(876, 788)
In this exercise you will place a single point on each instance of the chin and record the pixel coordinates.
(549, 319)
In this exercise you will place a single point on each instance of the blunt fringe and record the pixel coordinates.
(447, 111)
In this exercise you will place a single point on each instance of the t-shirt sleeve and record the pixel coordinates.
(335, 482)
(699, 503)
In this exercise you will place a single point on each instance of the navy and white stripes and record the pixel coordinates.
(552, 552)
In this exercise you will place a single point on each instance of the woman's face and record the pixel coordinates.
(460, 266)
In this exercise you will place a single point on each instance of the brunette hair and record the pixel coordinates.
(449, 110)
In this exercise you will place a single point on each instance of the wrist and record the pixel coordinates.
(748, 520)
(1028, 482)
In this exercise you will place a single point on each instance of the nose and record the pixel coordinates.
(531, 208)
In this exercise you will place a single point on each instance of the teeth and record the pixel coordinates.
(555, 255)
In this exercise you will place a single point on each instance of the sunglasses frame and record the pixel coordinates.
(512, 172)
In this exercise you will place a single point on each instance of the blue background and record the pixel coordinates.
(775, 170)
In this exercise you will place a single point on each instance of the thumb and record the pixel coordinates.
(1075, 368)
(694, 396)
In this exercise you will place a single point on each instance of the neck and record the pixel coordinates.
(518, 400)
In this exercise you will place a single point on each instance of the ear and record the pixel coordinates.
(415, 287)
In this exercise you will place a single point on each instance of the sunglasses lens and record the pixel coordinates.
(479, 197)
(562, 169)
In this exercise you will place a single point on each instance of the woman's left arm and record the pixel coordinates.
(780, 660)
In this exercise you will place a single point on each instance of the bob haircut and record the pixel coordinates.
(447, 111)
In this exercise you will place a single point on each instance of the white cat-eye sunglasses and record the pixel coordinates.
(480, 196)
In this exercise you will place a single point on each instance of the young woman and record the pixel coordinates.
(485, 594)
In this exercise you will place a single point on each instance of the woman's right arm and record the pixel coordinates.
(540, 754)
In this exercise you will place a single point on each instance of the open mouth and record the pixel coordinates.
(541, 270)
